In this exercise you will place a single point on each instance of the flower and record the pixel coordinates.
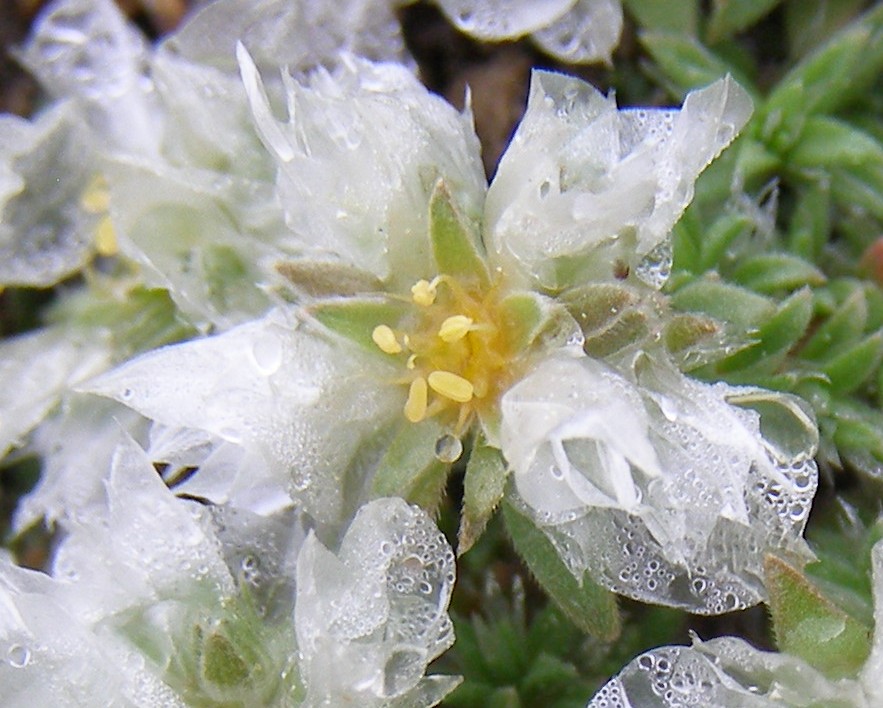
(730, 672)
(528, 311)
(158, 601)
(307, 33)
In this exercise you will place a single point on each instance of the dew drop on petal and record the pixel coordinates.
(448, 448)
(18, 656)
(266, 352)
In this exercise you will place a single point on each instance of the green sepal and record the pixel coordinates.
(731, 16)
(589, 606)
(851, 368)
(455, 242)
(840, 331)
(327, 279)
(681, 16)
(775, 337)
(771, 273)
(724, 302)
(483, 487)
(524, 316)
(808, 625)
(410, 469)
(608, 315)
(356, 318)
(688, 63)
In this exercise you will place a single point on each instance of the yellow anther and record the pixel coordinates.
(423, 292)
(385, 338)
(451, 386)
(455, 328)
(96, 198)
(106, 238)
(415, 406)
(412, 362)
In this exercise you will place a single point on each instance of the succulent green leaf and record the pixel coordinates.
(770, 273)
(809, 22)
(841, 330)
(809, 625)
(829, 142)
(721, 235)
(410, 468)
(688, 63)
(859, 187)
(483, 487)
(755, 162)
(776, 336)
(724, 302)
(356, 318)
(681, 16)
(810, 224)
(851, 368)
(857, 427)
(589, 606)
(830, 77)
(731, 16)
(455, 242)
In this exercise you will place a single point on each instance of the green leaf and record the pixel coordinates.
(724, 302)
(589, 606)
(857, 427)
(859, 187)
(829, 142)
(483, 487)
(454, 240)
(681, 16)
(809, 22)
(776, 336)
(810, 626)
(829, 78)
(774, 272)
(841, 330)
(356, 318)
(850, 369)
(810, 224)
(731, 16)
(410, 469)
(723, 233)
(688, 63)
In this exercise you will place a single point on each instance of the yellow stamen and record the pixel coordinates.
(385, 338)
(451, 386)
(412, 362)
(415, 406)
(423, 292)
(96, 198)
(455, 328)
(106, 238)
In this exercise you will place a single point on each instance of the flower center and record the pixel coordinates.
(454, 348)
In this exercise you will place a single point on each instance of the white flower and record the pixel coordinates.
(155, 601)
(303, 34)
(434, 305)
(730, 673)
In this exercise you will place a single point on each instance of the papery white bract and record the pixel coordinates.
(730, 673)
(661, 487)
(156, 601)
(378, 607)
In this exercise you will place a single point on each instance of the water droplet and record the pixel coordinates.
(18, 656)
(448, 448)
(266, 351)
